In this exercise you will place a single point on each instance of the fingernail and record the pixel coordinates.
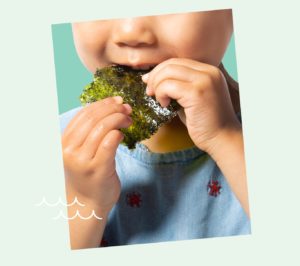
(164, 102)
(118, 99)
(128, 108)
(148, 90)
(145, 77)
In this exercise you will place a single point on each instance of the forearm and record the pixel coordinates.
(86, 233)
(229, 155)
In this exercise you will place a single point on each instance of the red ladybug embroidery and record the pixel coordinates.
(134, 199)
(214, 189)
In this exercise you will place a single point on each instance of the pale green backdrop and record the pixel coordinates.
(72, 76)
(267, 47)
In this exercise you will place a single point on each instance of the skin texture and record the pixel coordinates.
(187, 50)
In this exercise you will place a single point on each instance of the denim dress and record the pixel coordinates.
(170, 196)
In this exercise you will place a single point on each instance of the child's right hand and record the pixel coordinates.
(89, 146)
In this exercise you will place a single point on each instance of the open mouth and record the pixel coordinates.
(141, 68)
(144, 68)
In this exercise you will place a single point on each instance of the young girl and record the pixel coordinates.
(188, 180)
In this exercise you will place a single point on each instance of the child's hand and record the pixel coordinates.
(89, 145)
(202, 91)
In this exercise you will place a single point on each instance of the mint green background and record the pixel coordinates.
(72, 76)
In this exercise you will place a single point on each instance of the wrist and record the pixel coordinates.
(86, 225)
(228, 140)
(88, 210)
(85, 205)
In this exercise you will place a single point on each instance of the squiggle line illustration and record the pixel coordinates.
(77, 214)
(75, 201)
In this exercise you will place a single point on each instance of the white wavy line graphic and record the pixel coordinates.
(77, 214)
(44, 202)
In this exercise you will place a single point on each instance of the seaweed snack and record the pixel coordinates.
(147, 113)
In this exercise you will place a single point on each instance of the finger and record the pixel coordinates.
(89, 111)
(83, 127)
(106, 152)
(182, 116)
(171, 71)
(173, 89)
(101, 129)
(196, 65)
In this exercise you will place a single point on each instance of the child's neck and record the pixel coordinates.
(170, 137)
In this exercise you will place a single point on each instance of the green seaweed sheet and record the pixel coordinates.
(147, 113)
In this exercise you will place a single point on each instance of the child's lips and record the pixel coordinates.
(144, 67)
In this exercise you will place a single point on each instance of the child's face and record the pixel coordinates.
(147, 41)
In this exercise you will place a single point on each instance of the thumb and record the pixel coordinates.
(182, 116)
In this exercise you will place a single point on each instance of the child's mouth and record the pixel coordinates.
(144, 68)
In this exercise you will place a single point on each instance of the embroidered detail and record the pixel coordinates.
(213, 186)
(133, 199)
(103, 243)
(214, 189)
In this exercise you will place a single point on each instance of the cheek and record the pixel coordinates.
(217, 42)
(89, 45)
(205, 41)
(206, 46)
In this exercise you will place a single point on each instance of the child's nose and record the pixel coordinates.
(135, 32)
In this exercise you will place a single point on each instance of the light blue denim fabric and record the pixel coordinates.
(165, 197)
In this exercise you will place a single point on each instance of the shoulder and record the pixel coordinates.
(65, 118)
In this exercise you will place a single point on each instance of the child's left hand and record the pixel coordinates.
(202, 91)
